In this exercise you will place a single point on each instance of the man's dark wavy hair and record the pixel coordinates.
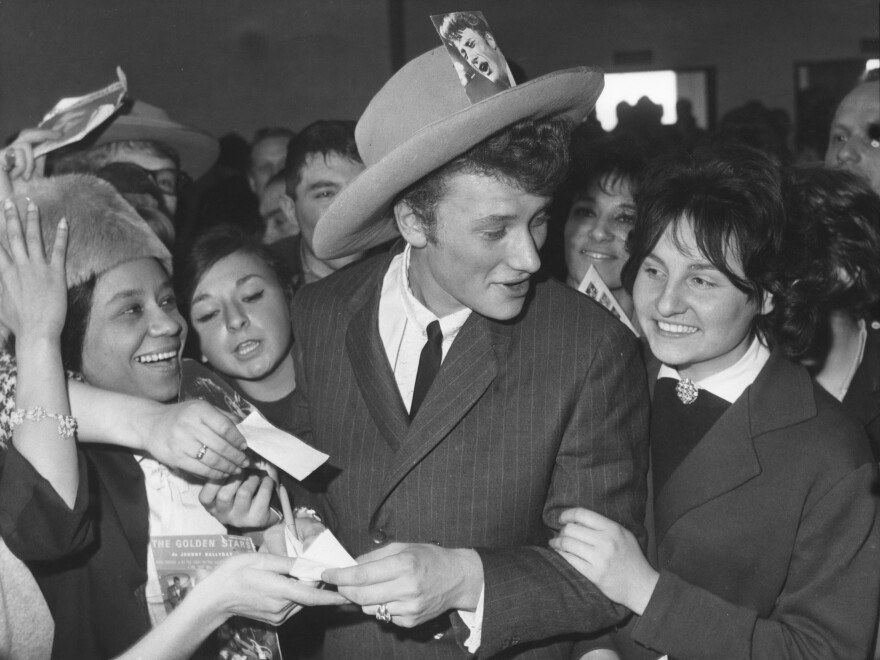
(529, 155)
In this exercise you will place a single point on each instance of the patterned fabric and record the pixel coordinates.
(7, 395)
(8, 375)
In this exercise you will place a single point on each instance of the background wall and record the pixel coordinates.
(218, 64)
(235, 65)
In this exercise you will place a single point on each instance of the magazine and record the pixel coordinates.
(594, 286)
(78, 116)
(182, 562)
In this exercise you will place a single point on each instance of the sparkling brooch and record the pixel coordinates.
(687, 391)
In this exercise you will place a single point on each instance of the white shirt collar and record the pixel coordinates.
(421, 315)
(731, 382)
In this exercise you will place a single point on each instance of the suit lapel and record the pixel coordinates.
(371, 369)
(725, 458)
(469, 368)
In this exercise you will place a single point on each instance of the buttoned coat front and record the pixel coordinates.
(526, 418)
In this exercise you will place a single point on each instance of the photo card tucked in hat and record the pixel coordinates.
(476, 56)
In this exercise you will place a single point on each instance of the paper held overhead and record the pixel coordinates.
(76, 117)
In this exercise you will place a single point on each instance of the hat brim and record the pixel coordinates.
(360, 217)
(198, 151)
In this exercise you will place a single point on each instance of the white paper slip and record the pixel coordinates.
(286, 451)
(324, 552)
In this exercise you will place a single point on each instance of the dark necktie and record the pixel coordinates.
(429, 365)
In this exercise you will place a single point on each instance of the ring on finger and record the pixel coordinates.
(8, 159)
(202, 451)
(382, 613)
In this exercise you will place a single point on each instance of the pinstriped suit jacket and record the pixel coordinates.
(525, 418)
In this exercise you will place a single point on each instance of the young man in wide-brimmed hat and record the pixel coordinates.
(448, 489)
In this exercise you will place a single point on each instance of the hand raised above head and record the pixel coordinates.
(17, 162)
(33, 304)
(414, 581)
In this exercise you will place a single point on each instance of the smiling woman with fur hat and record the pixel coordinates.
(81, 516)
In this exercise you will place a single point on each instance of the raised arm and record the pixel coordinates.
(33, 306)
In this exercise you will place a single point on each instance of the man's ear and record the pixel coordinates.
(490, 40)
(288, 208)
(767, 304)
(410, 225)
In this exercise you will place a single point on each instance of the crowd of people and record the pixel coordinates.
(517, 472)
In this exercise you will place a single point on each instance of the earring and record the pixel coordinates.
(204, 360)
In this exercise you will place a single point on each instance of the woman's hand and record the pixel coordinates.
(176, 433)
(608, 555)
(240, 501)
(259, 586)
(33, 304)
(17, 162)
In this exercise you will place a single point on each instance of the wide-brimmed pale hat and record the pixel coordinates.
(420, 120)
(137, 120)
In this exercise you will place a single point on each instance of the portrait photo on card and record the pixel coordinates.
(475, 54)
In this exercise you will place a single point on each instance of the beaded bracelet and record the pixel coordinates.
(66, 423)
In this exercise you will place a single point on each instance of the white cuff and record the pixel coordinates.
(474, 621)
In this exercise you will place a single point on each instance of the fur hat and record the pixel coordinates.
(105, 230)
(422, 119)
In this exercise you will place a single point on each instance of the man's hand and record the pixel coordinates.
(608, 555)
(176, 433)
(240, 501)
(417, 582)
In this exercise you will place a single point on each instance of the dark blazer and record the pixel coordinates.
(862, 399)
(90, 561)
(767, 536)
(526, 418)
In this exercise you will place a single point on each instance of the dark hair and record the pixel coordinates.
(216, 244)
(733, 198)
(844, 213)
(531, 155)
(323, 137)
(73, 335)
(608, 160)
(457, 22)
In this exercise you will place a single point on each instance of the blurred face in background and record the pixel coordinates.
(267, 159)
(276, 223)
(596, 230)
(161, 169)
(850, 146)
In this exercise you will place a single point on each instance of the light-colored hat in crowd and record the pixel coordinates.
(422, 119)
(197, 150)
(105, 230)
